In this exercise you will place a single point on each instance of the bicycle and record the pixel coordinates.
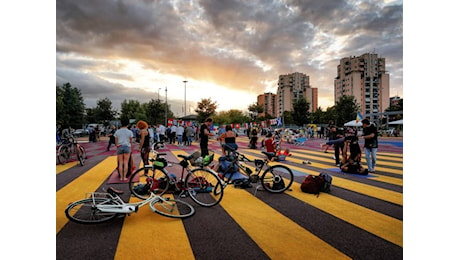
(66, 149)
(202, 185)
(100, 207)
(272, 179)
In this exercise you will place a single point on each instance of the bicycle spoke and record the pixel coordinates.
(204, 187)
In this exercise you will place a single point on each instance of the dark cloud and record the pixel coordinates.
(235, 44)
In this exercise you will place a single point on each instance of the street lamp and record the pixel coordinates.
(185, 98)
(166, 105)
(159, 93)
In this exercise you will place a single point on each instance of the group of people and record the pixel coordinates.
(347, 145)
(344, 143)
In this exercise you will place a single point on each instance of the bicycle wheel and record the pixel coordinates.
(277, 178)
(172, 208)
(147, 180)
(85, 211)
(204, 187)
(63, 154)
(81, 155)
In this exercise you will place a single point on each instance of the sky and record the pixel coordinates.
(44, 42)
(229, 51)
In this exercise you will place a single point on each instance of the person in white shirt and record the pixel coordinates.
(179, 134)
(123, 141)
(162, 132)
(172, 139)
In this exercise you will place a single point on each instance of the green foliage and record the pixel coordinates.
(206, 108)
(70, 108)
(345, 109)
(287, 118)
(300, 114)
(232, 116)
(256, 108)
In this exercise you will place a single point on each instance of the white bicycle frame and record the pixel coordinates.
(123, 207)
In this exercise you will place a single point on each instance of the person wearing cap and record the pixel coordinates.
(370, 144)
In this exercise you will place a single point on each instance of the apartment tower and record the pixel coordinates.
(291, 87)
(268, 102)
(365, 78)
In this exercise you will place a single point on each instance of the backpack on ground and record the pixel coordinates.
(327, 182)
(313, 184)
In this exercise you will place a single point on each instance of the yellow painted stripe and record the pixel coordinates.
(77, 189)
(147, 235)
(387, 156)
(363, 161)
(381, 178)
(381, 225)
(369, 190)
(256, 224)
(62, 167)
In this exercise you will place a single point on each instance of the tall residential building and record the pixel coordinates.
(365, 78)
(268, 102)
(293, 86)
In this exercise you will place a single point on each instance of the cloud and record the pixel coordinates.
(124, 49)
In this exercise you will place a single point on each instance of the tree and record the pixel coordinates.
(230, 117)
(61, 116)
(287, 118)
(155, 111)
(346, 109)
(104, 112)
(300, 114)
(70, 106)
(206, 108)
(132, 109)
(318, 116)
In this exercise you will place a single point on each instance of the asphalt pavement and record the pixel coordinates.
(362, 217)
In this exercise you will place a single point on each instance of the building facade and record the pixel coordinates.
(268, 102)
(365, 78)
(291, 87)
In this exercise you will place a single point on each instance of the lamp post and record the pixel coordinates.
(159, 93)
(185, 98)
(166, 107)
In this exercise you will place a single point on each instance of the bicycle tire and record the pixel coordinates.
(63, 154)
(272, 177)
(204, 187)
(172, 208)
(151, 177)
(81, 155)
(85, 212)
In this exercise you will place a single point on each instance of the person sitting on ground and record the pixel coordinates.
(281, 156)
(228, 138)
(352, 163)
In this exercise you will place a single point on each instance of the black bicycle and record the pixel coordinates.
(275, 178)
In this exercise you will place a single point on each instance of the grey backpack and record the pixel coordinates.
(327, 182)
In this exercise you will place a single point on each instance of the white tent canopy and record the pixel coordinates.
(397, 122)
(353, 123)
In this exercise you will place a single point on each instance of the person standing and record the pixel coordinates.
(204, 136)
(172, 139)
(180, 134)
(123, 140)
(370, 144)
(144, 142)
(151, 130)
(189, 133)
(111, 136)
